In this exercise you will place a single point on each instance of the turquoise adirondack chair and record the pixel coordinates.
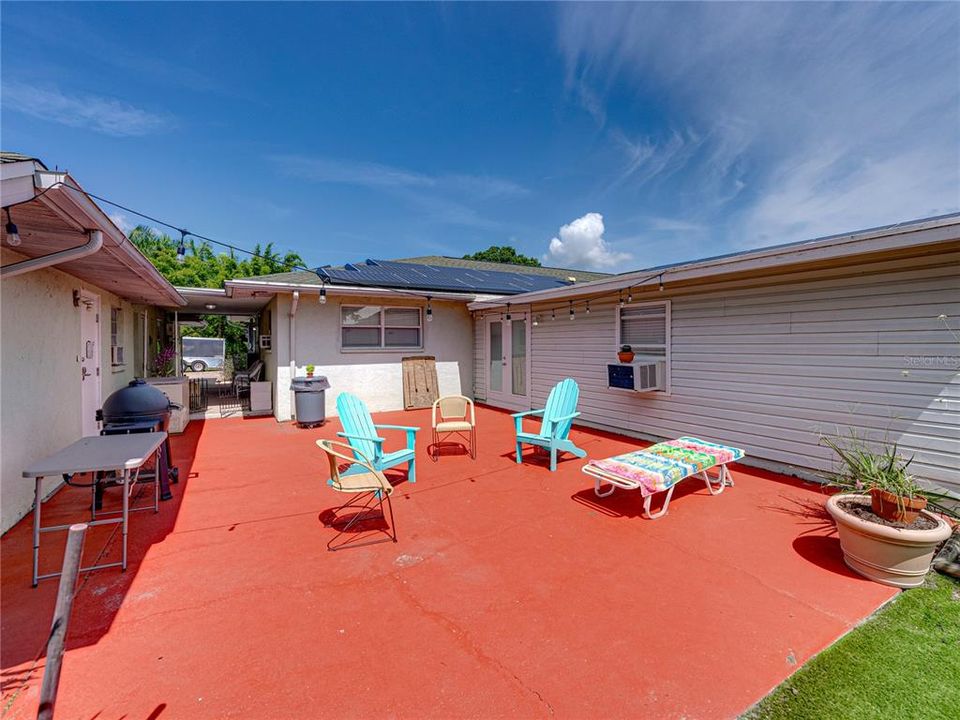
(360, 431)
(556, 419)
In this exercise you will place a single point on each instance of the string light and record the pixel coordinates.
(588, 307)
(13, 234)
(553, 313)
(429, 310)
(661, 282)
(181, 247)
(508, 312)
(571, 310)
(323, 293)
(620, 298)
(629, 295)
(536, 320)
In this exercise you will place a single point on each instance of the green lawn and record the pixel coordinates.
(904, 662)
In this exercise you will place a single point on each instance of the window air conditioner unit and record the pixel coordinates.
(642, 375)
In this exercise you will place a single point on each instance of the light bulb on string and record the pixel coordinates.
(323, 294)
(13, 233)
(620, 299)
(630, 295)
(588, 307)
(508, 313)
(553, 313)
(181, 247)
(429, 310)
(572, 314)
(661, 283)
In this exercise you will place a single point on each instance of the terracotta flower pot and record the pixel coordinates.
(888, 506)
(899, 557)
(625, 357)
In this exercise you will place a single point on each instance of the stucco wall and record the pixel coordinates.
(40, 408)
(375, 376)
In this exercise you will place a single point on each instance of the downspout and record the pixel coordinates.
(292, 346)
(93, 244)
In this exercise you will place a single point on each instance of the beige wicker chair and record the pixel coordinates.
(457, 417)
(361, 480)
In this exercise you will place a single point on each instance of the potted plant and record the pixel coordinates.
(310, 369)
(886, 533)
(625, 354)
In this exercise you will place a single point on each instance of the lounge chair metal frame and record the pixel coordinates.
(714, 485)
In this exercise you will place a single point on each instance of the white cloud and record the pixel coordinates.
(581, 245)
(94, 112)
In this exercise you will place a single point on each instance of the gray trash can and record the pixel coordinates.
(310, 399)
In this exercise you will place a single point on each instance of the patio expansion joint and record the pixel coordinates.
(466, 641)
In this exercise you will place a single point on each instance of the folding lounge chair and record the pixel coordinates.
(364, 482)
(557, 417)
(457, 417)
(363, 436)
(661, 467)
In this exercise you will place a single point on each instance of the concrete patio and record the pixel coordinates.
(512, 591)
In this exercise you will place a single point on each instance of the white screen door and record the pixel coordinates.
(507, 384)
(89, 363)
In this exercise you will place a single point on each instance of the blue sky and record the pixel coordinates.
(603, 136)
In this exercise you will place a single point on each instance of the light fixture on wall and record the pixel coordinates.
(323, 294)
(182, 247)
(429, 310)
(13, 233)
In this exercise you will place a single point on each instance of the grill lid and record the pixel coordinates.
(137, 399)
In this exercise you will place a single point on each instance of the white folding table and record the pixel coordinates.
(125, 454)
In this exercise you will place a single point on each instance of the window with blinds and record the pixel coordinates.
(375, 327)
(646, 329)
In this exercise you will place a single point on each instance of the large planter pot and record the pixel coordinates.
(893, 556)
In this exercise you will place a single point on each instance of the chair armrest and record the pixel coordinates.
(571, 416)
(408, 429)
(378, 440)
(396, 427)
(528, 412)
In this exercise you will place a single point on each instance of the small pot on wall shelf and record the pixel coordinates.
(625, 354)
(895, 508)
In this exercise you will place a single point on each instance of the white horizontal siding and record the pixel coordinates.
(770, 368)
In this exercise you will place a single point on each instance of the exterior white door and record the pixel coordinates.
(507, 365)
(89, 362)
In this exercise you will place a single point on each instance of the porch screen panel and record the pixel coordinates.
(518, 356)
(496, 356)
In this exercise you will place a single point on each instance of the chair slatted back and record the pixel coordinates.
(356, 420)
(562, 401)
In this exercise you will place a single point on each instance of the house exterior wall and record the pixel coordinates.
(769, 366)
(374, 375)
(40, 404)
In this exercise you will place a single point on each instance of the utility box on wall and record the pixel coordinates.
(645, 376)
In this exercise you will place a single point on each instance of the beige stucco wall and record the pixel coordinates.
(376, 376)
(40, 374)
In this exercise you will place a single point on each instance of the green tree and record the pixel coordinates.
(202, 267)
(503, 254)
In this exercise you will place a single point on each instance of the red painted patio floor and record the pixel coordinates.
(512, 592)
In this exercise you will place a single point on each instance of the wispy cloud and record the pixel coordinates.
(106, 115)
(793, 119)
(446, 199)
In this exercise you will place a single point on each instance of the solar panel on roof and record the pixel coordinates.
(385, 273)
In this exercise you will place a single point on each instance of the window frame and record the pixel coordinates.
(383, 326)
(668, 325)
(116, 338)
